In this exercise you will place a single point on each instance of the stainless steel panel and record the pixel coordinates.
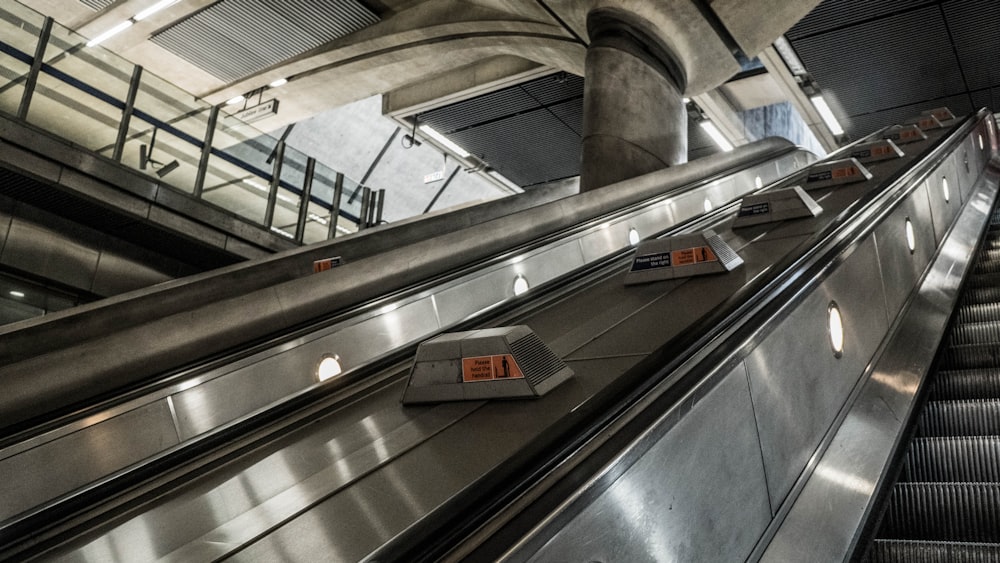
(943, 211)
(40, 474)
(43, 251)
(134, 203)
(118, 270)
(273, 375)
(796, 381)
(5, 218)
(16, 158)
(186, 226)
(830, 508)
(547, 265)
(698, 494)
(240, 248)
(900, 268)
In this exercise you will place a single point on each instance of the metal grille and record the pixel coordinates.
(536, 361)
(840, 13)
(233, 39)
(97, 5)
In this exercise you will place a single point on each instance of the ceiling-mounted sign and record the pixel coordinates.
(260, 111)
(434, 177)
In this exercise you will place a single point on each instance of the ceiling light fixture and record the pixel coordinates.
(716, 135)
(279, 82)
(109, 33)
(235, 100)
(444, 141)
(17, 294)
(153, 9)
(824, 111)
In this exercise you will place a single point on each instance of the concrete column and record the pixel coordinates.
(634, 120)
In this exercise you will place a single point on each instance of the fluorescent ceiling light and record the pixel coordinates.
(278, 82)
(827, 115)
(153, 9)
(444, 141)
(17, 293)
(716, 135)
(235, 100)
(110, 33)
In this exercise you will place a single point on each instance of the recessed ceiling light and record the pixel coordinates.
(278, 82)
(235, 100)
(17, 294)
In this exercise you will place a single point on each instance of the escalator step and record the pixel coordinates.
(953, 459)
(988, 261)
(964, 512)
(985, 294)
(968, 356)
(913, 551)
(960, 418)
(966, 384)
(979, 312)
(983, 332)
(991, 279)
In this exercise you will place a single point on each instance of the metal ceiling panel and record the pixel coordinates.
(860, 74)
(478, 110)
(570, 113)
(232, 39)
(861, 125)
(528, 148)
(833, 14)
(97, 5)
(531, 133)
(975, 27)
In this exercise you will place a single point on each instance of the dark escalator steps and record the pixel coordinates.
(968, 356)
(960, 418)
(977, 295)
(985, 332)
(981, 383)
(987, 261)
(964, 512)
(913, 551)
(979, 312)
(991, 279)
(964, 459)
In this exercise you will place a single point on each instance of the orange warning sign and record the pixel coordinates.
(845, 172)
(912, 133)
(490, 368)
(881, 150)
(690, 256)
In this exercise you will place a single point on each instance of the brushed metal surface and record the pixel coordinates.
(797, 382)
(45, 252)
(698, 494)
(833, 503)
(900, 268)
(57, 467)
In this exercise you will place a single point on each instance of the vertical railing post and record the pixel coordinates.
(36, 67)
(272, 193)
(206, 151)
(123, 125)
(338, 192)
(378, 210)
(307, 182)
(366, 200)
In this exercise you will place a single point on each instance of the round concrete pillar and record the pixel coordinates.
(634, 120)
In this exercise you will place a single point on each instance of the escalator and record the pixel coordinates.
(945, 505)
(355, 475)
